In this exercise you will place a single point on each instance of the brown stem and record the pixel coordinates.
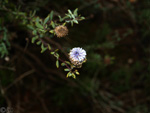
(46, 44)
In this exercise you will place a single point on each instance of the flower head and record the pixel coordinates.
(61, 31)
(77, 56)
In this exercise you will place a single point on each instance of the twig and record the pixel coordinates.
(35, 58)
(127, 12)
(4, 95)
(45, 68)
(43, 105)
(57, 44)
(46, 44)
(8, 68)
(18, 101)
(19, 78)
(50, 77)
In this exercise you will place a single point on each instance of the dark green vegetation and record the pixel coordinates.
(115, 78)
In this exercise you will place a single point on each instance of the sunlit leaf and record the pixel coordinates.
(57, 63)
(53, 24)
(66, 69)
(43, 48)
(63, 64)
(34, 39)
(39, 42)
(46, 19)
(75, 12)
(75, 21)
(49, 47)
(51, 15)
(39, 25)
(73, 75)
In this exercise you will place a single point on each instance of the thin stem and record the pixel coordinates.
(46, 44)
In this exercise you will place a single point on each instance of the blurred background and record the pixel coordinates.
(115, 78)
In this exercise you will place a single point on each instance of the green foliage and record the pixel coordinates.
(4, 42)
(71, 17)
(115, 36)
(4, 79)
(40, 28)
(141, 108)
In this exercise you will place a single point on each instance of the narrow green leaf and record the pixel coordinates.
(66, 69)
(39, 42)
(60, 19)
(75, 12)
(34, 32)
(3, 49)
(64, 23)
(43, 31)
(39, 25)
(51, 31)
(75, 21)
(51, 15)
(37, 19)
(52, 24)
(41, 35)
(56, 55)
(34, 12)
(34, 39)
(73, 75)
(30, 27)
(68, 16)
(45, 26)
(68, 74)
(63, 64)
(68, 62)
(71, 23)
(56, 50)
(57, 63)
(43, 48)
(69, 11)
(82, 18)
(73, 16)
(77, 73)
(46, 19)
(67, 21)
(52, 53)
(49, 47)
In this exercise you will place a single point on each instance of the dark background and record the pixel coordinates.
(115, 78)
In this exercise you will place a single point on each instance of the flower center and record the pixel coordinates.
(76, 54)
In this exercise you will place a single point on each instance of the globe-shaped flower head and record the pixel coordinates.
(77, 56)
(61, 31)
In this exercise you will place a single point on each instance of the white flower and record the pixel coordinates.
(77, 56)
